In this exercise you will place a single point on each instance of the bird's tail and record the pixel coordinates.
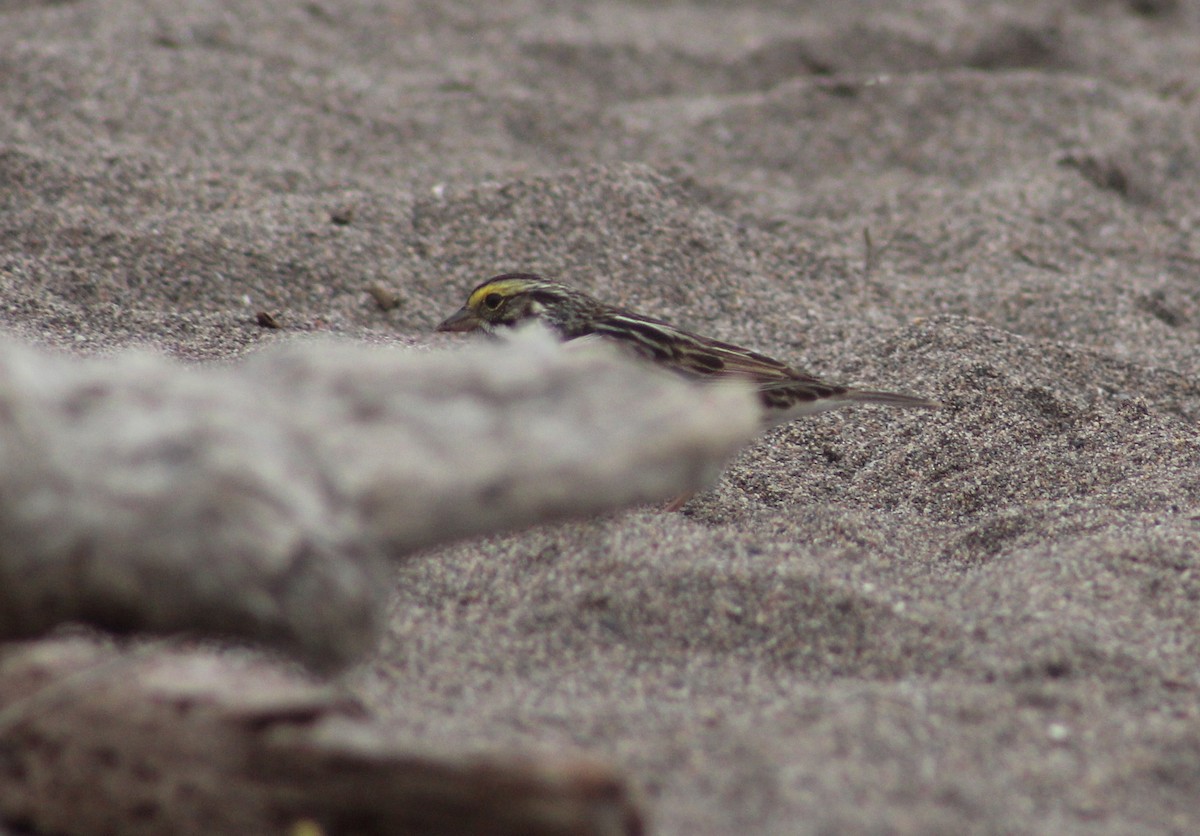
(888, 399)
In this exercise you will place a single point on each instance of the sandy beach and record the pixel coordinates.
(980, 619)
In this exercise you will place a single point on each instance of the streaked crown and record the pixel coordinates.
(512, 298)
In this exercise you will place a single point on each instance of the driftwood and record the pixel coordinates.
(263, 500)
(94, 740)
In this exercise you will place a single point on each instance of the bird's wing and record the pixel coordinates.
(718, 359)
(691, 354)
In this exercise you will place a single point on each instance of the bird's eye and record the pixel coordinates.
(492, 301)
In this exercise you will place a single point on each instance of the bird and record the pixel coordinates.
(784, 392)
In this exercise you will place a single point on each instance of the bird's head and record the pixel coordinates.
(513, 298)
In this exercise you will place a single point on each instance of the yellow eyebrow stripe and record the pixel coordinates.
(504, 288)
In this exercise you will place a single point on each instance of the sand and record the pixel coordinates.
(982, 619)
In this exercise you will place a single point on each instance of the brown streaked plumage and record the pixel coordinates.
(512, 298)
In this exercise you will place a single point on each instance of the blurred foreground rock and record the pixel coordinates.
(262, 500)
(94, 740)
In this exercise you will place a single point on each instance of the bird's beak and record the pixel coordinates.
(460, 320)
